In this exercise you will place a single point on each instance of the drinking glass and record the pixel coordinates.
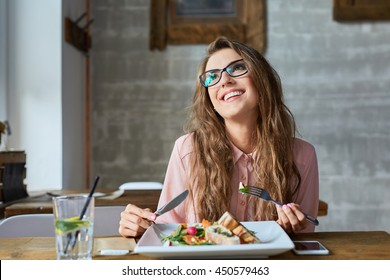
(74, 234)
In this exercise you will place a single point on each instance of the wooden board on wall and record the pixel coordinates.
(247, 26)
(361, 10)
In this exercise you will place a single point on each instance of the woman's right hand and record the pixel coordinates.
(134, 221)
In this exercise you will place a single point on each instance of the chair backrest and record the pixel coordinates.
(30, 225)
(42, 225)
(107, 220)
(141, 186)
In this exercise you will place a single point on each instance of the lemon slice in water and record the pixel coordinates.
(71, 224)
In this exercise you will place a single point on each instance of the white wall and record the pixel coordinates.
(34, 96)
(42, 90)
(3, 60)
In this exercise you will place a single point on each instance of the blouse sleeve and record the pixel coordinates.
(308, 194)
(174, 184)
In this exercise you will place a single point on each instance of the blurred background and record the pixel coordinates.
(116, 110)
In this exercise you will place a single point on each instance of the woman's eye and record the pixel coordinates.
(211, 76)
(239, 67)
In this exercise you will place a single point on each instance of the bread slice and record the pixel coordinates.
(246, 236)
(220, 235)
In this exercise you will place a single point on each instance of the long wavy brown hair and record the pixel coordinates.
(212, 157)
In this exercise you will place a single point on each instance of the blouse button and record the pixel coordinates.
(242, 203)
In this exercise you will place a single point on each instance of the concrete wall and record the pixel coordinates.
(73, 104)
(336, 79)
(138, 96)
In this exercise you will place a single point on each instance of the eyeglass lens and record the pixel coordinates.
(212, 77)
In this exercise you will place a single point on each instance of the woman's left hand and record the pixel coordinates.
(291, 218)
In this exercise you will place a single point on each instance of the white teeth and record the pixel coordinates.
(231, 94)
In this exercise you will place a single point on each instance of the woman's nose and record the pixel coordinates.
(225, 79)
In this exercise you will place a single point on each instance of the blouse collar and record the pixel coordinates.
(237, 154)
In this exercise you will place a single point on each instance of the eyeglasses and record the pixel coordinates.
(234, 69)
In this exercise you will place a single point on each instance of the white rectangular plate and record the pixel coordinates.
(274, 241)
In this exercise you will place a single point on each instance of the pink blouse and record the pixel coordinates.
(176, 180)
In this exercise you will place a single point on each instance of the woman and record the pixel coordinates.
(239, 130)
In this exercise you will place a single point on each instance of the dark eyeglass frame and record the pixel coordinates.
(220, 73)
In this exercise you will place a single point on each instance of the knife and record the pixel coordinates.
(172, 204)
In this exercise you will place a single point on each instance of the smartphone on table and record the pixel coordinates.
(311, 247)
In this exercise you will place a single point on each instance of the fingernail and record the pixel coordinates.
(153, 217)
(285, 206)
(289, 205)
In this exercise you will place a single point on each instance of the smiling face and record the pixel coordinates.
(234, 98)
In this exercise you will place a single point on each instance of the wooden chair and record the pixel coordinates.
(12, 175)
(322, 208)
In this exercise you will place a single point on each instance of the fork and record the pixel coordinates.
(262, 193)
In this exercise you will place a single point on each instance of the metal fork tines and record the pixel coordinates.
(262, 193)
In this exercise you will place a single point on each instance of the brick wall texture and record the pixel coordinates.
(336, 80)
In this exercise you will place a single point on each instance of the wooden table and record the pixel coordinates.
(141, 198)
(362, 245)
(43, 203)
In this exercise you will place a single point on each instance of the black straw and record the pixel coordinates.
(89, 197)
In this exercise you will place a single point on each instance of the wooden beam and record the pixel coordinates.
(361, 10)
